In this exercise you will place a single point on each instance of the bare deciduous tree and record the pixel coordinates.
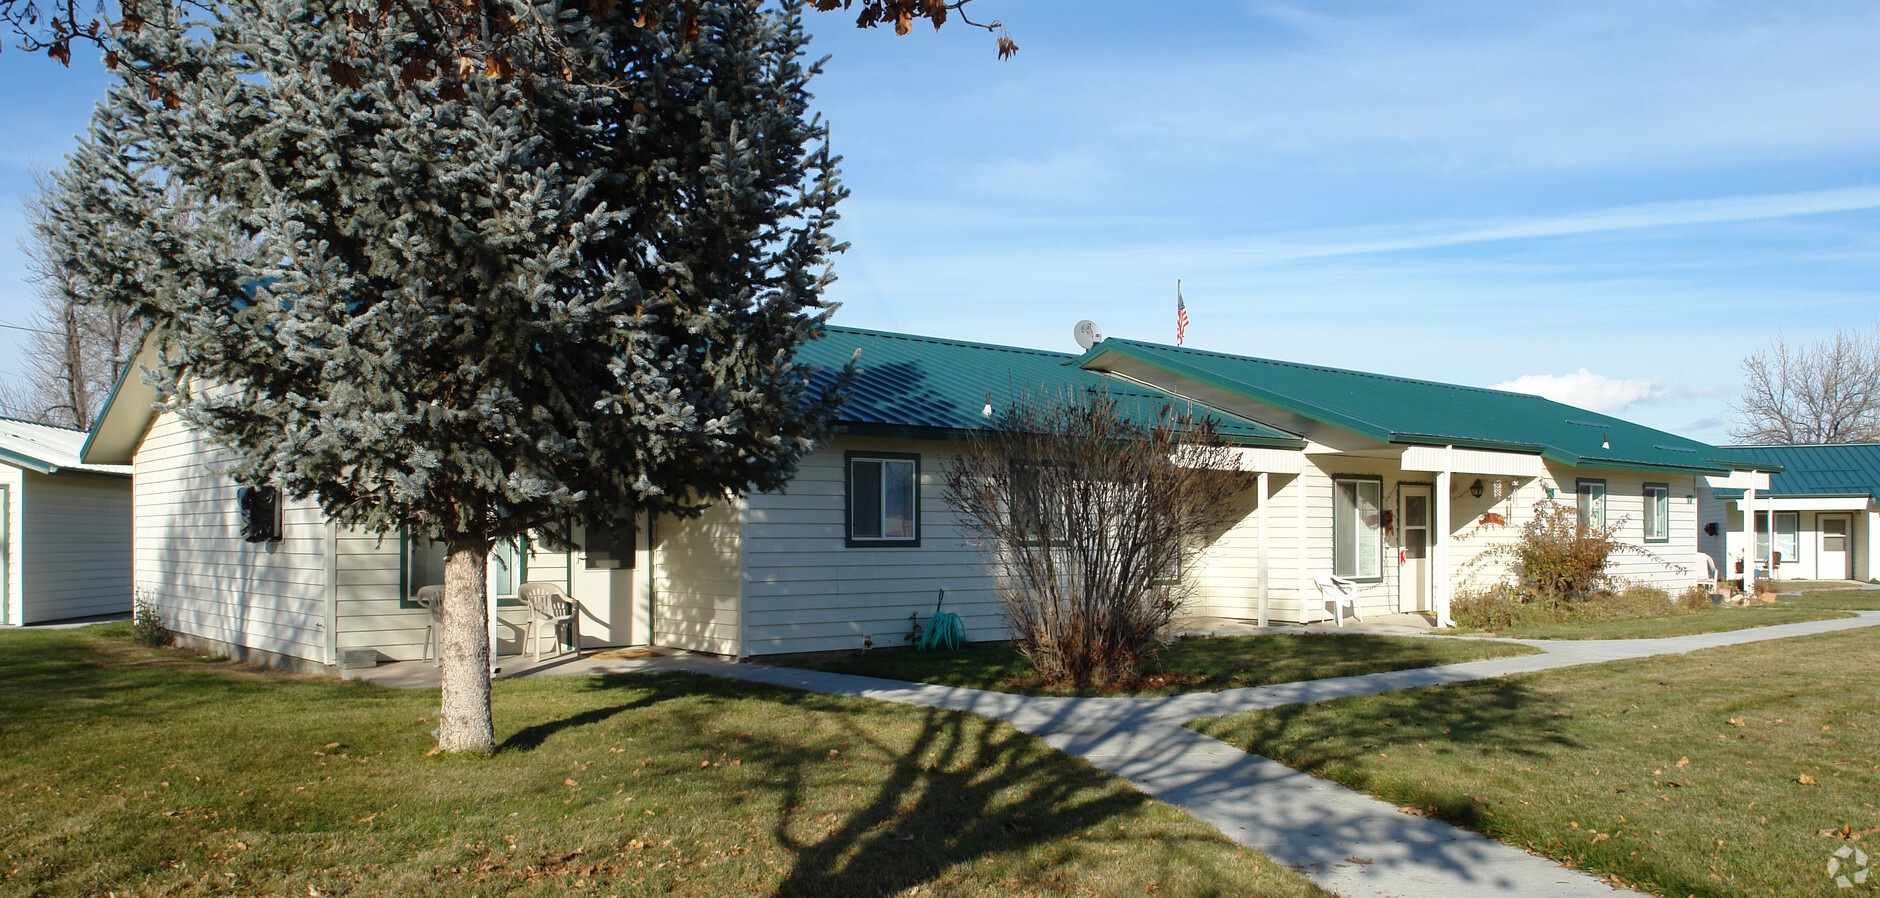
(1825, 392)
(1090, 506)
(75, 352)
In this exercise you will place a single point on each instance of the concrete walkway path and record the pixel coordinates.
(1344, 840)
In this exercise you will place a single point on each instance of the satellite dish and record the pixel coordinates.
(1087, 333)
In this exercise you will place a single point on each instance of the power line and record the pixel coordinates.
(31, 330)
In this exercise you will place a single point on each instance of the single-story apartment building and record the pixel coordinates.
(1816, 519)
(1397, 484)
(65, 528)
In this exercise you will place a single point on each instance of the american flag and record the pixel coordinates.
(1181, 315)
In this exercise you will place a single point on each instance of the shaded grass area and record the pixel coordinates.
(1188, 665)
(149, 772)
(1678, 623)
(1713, 773)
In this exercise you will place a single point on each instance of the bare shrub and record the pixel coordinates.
(1090, 505)
(1695, 597)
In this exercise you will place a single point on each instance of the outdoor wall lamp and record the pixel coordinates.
(1475, 489)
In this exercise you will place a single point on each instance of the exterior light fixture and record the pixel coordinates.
(1475, 489)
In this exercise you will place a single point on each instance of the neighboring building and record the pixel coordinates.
(65, 528)
(1393, 482)
(1817, 515)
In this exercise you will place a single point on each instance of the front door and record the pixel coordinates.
(604, 576)
(1834, 561)
(1413, 547)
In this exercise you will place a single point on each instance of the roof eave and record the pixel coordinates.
(961, 434)
(28, 462)
(1303, 409)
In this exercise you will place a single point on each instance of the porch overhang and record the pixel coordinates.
(1458, 460)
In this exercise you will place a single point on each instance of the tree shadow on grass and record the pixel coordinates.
(1366, 742)
(872, 807)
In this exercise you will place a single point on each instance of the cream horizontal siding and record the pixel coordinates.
(1226, 573)
(697, 580)
(76, 541)
(189, 557)
(12, 484)
(807, 591)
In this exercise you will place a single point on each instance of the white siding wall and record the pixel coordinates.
(698, 580)
(75, 535)
(809, 592)
(1230, 575)
(190, 558)
(1671, 565)
(14, 481)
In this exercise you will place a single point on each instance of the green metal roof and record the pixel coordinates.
(927, 386)
(1419, 412)
(1818, 469)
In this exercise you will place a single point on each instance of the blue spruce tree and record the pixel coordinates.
(446, 296)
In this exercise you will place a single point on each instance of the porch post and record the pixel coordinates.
(1439, 578)
(1259, 538)
(1302, 588)
(1749, 536)
(489, 597)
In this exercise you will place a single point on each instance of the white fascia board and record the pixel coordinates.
(1472, 461)
(1739, 480)
(1808, 503)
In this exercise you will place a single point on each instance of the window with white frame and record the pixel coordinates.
(1357, 527)
(883, 499)
(1787, 535)
(1657, 512)
(1592, 502)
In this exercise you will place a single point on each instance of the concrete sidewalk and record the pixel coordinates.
(1344, 840)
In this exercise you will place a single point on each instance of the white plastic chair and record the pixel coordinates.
(432, 598)
(548, 604)
(1338, 593)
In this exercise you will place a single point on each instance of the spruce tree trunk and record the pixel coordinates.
(464, 721)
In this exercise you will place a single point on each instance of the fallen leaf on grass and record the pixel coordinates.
(1684, 762)
(1806, 779)
(1678, 783)
(1737, 722)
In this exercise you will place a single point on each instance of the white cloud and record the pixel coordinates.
(1590, 391)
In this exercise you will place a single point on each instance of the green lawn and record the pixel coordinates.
(152, 773)
(1720, 772)
(1677, 623)
(1188, 665)
(1829, 594)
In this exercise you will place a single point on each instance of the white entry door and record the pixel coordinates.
(1834, 560)
(604, 578)
(1413, 547)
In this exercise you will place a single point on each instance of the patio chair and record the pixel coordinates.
(432, 598)
(1339, 593)
(549, 605)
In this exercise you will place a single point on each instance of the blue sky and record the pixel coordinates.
(1613, 202)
